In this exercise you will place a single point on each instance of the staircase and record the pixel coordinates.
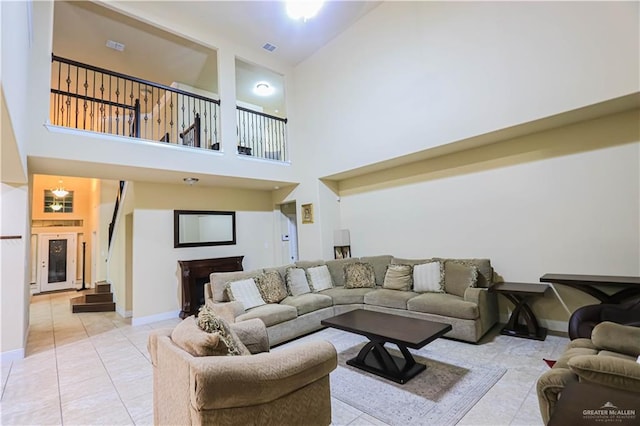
(100, 299)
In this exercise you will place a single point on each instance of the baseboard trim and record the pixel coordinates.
(123, 313)
(155, 318)
(10, 356)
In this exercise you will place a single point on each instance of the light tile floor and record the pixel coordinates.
(94, 369)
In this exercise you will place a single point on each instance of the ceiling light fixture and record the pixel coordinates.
(59, 192)
(191, 180)
(56, 207)
(305, 9)
(263, 89)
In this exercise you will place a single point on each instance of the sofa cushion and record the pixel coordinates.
(197, 342)
(458, 277)
(297, 283)
(309, 302)
(617, 338)
(270, 314)
(282, 270)
(398, 277)
(485, 271)
(319, 278)
(380, 264)
(447, 305)
(428, 277)
(271, 286)
(336, 269)
(304, 264)
(570, 352)
(347, 296)
(245, 292)
(412, 262)
(219, 280)
(359, 275)
(208, 321)
(607, 371)
(389, 298)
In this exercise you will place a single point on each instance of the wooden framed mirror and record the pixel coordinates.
(196, 228)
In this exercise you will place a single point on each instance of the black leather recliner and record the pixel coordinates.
(584, 319)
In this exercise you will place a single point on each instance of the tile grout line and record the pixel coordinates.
(55, 354)
(107, 371)
(6, 381)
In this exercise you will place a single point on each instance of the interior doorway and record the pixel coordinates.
(57, 261)
(289, 231)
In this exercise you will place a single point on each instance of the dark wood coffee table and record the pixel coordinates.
(381, 328)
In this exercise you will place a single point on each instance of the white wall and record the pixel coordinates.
(14, 287)
(566, 201)
(155, 279)
(410, 76)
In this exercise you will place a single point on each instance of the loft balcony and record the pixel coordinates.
(95, 99)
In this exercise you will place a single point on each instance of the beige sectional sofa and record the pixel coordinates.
(471, 310)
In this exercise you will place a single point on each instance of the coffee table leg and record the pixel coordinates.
(375, 359)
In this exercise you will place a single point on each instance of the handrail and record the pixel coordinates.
(262, 114)
(128, 77)
(116, 207)
(92, 99)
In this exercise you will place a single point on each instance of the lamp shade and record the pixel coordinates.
(341, 238)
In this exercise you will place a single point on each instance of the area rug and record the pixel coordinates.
(440, 395)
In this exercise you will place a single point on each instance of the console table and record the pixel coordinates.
(518, 294)
(194, 275)
(588, 283)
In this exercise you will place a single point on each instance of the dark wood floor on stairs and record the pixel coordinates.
(99, 299)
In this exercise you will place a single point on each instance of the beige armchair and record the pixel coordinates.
(287, 387)
(607, 359)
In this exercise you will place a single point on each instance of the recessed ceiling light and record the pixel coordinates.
(304, 9)
(191, 180)
(263, 89)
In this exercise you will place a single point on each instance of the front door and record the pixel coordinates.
(57, 261)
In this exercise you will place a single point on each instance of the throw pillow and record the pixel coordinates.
(359, 275)
(271, 286)
(197, 342)
(398, 277)
(319, 278)
(428, 277)
(245, 291)
(209, 322)
(297, 282)
(458, 277)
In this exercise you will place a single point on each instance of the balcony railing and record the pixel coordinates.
(92, 98)
(96, 99)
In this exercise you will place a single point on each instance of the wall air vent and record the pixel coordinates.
(268, 46)
(115, 45)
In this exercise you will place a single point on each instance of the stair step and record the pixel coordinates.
(79, 304)
(98, 297)
(103, 287)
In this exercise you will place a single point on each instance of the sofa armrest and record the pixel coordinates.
(227, 310)
(241, 381)
(253, 334)
(607, 371)
(549, 387)
(152, 343)
(487, 305)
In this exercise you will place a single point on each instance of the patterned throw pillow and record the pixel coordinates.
(458, 277)
(398, 277)
(297, 282)
(359, 275)
(197, 342)
(319, 278)
(211, 323)
(245, 291)
(428, 277)
(271, 286)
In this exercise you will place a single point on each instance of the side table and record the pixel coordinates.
(518, 294)
(591, 404)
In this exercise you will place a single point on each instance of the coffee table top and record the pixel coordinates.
(410, 332)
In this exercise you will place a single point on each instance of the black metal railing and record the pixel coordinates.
(92, 98)
(261, 135)
(116, 207)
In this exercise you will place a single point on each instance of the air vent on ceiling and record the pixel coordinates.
(268, 46)
(115, 45)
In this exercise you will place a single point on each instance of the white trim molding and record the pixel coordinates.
(155, 318)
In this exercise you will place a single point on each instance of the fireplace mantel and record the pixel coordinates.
(195, 273)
